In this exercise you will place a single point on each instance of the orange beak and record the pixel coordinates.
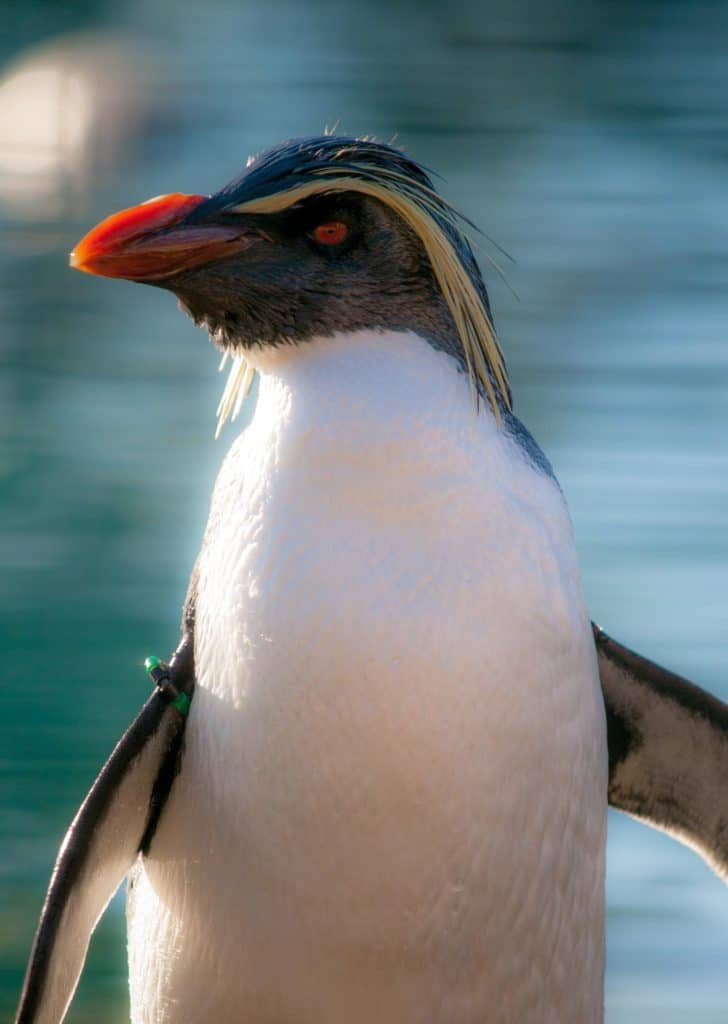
(151, 242)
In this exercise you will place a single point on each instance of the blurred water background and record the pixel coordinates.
(590, 140)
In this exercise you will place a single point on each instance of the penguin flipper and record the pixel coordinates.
(668, 750)
(114, 822)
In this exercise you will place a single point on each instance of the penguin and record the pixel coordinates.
(373, 778)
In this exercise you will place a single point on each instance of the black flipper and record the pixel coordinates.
(114, 824)
(668, 750)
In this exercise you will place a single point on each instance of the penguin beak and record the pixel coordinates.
(154, 241)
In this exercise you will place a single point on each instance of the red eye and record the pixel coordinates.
(331, 233)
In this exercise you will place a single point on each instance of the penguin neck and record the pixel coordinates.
(365, 385)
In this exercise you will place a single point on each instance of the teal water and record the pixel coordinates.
(589, 142)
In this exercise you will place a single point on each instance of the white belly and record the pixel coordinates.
(393, 795)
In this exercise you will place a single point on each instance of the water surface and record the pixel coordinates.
(590, 143)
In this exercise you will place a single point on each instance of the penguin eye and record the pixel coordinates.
(332, 232)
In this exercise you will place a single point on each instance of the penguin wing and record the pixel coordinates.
(113, 825)
(98, 849)
(668, 750)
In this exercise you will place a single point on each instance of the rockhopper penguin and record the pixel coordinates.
(391, 796)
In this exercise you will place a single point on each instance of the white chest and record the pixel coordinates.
(395, 772)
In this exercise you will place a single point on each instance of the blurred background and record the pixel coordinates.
(590, 140)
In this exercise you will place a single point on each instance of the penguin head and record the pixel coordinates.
(316, 237)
